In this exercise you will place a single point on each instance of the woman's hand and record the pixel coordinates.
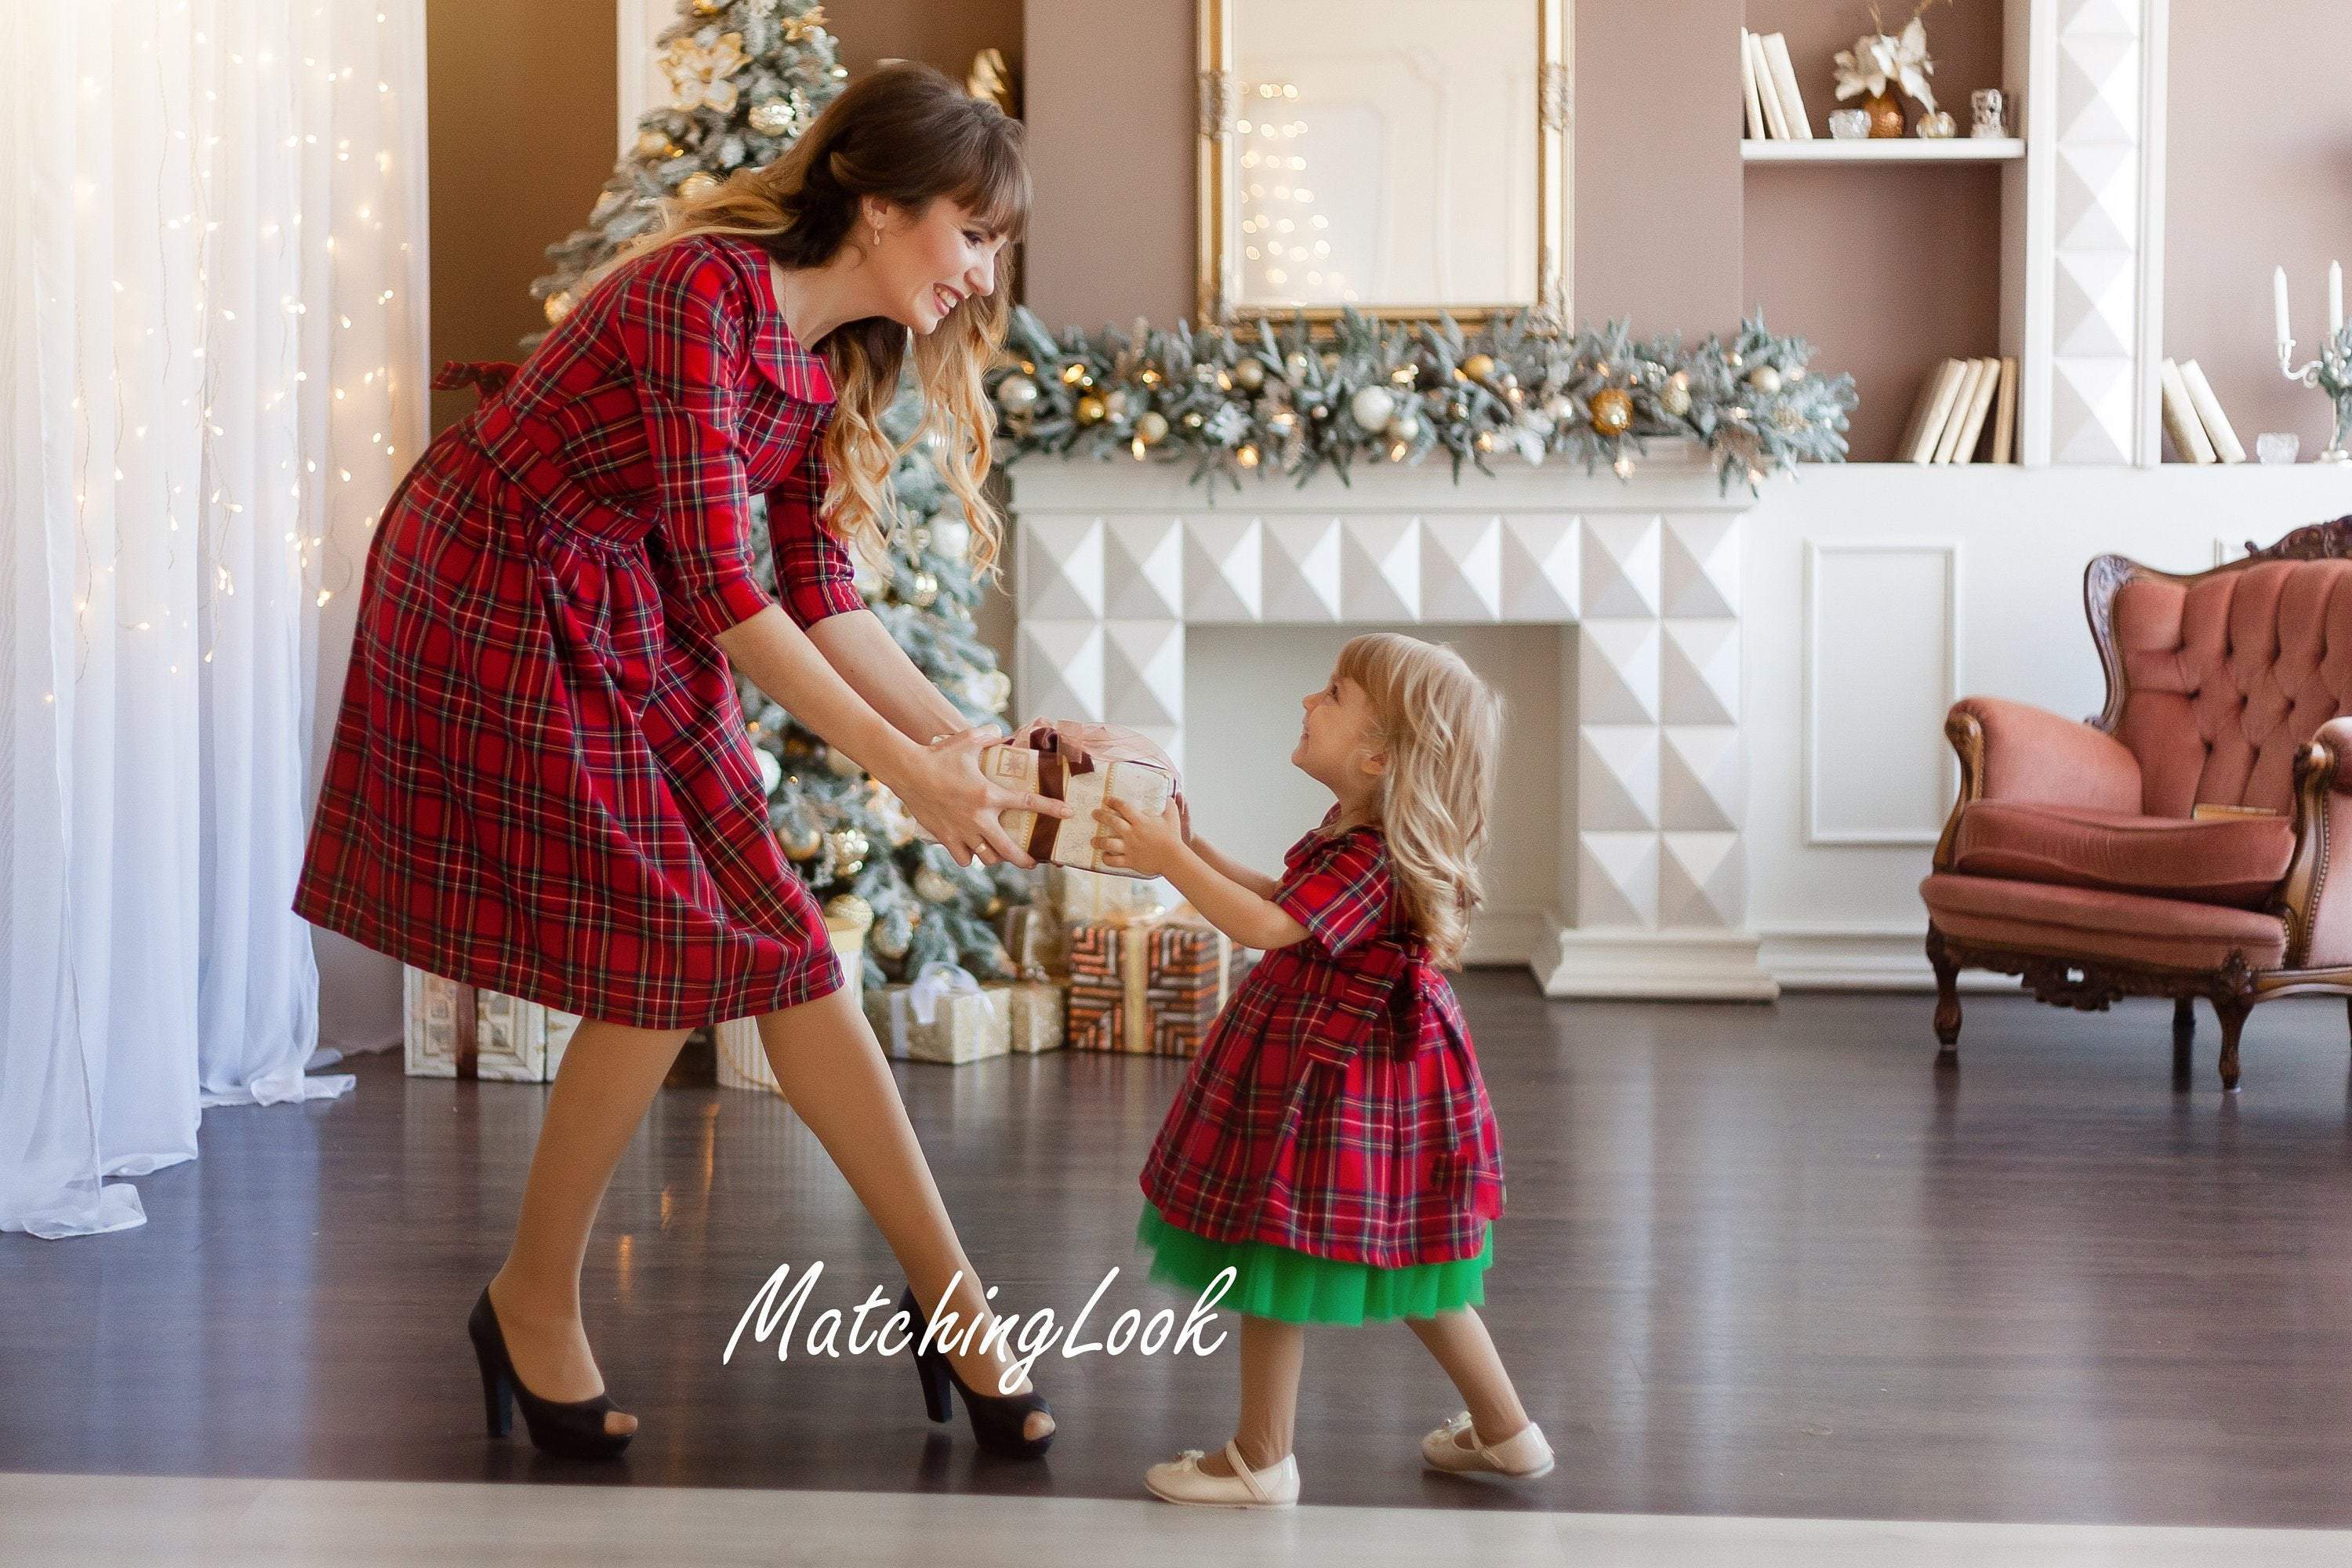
(1131, 841)
(960, 806)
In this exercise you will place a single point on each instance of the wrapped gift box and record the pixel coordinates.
(742, 1061)
(1148, 986)
(1120, 764)
(1034, 944)
(454, 1030)
(945, 1025)
(1073, 896)
(1033, 1014)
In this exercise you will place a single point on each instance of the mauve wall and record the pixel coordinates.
(1111, 117)
(2258, 174)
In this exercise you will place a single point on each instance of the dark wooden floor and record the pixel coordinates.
(1759, 1260)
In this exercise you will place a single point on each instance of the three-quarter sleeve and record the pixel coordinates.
(813, 574)
(684, 333)
(1340, 892)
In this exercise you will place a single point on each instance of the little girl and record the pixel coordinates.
(1333, 1143)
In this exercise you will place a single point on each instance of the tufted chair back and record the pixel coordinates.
(2217, 681)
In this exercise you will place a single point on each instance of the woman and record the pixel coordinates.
(540, 781)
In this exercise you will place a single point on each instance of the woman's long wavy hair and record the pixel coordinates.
(1441, 727)
(908, 136)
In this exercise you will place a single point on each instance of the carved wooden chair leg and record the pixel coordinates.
(2233, 1013)
(2184, 1033)
(1947, 994)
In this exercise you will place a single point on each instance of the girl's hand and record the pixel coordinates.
(1131, 841)
(958, 805)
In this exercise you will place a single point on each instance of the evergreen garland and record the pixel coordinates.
(1289, 400)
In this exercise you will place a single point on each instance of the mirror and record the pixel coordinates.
(1398, 158)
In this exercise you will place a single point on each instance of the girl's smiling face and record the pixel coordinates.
(1335, 737)
(933, 261)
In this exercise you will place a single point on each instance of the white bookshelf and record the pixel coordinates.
(2082, 221)
(1885, 150)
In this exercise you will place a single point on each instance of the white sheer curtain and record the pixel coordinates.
(211, 266)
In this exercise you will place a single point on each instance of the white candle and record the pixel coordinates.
(2278, 302)
(2335, 300)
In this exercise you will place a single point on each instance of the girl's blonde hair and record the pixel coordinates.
(1441, 727)
(905, 134)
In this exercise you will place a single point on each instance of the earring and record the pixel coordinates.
(878, 237)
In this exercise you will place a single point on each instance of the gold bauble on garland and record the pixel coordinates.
(1091, 409)
(1478, 367)
(1674, 397)
(800, 840)
(1152, 428)
(1612, 411)
(889, 942)
(699, 184)
(709, 8)
(1251, 373)
(1765, 378)
(848, 909)
(931, 884)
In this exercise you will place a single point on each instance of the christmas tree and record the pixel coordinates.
(747, 77)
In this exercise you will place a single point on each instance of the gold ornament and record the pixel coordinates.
(654, 144)
(1765, 378)
(772, 116)
(1612, 411)
(709, 8)
(991, 79)
(1478, 367)
(699, 184)
(995, 906)
(1152, 428)
(1251, 373)
(1091, 409)
(930, 884)
(925, 590)
(800, 840)
(849, 909)
(557, 305)
(890, 942)
(1115, 403)
(1674, 397)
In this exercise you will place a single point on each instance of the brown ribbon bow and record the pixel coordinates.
(1057, 760)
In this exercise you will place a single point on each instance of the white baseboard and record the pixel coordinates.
(1860, 958)
(1653, 965)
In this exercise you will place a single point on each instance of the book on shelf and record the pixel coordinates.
(1979, 405)
(2004, 413)
(1776, 122)
(2218, 428)
(1784, 79)
(2181, 420)
(1948, 445)
(1930, 412)
(1749, 86)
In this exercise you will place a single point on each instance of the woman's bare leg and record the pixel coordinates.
(1273, 1355)
(832, 1071)
(1460, 1342)
(610, 1075)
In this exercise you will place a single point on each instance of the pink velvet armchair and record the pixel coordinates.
(2185, 842)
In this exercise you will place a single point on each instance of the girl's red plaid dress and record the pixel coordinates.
(540, 782)
(1335, 1107)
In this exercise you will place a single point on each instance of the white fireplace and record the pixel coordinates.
(1120, 564)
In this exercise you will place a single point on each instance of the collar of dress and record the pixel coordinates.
(802, 375)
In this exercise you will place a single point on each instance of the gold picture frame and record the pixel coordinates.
(1217, 260)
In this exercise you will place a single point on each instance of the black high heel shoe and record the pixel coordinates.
(569, 1431)
(997, 1419)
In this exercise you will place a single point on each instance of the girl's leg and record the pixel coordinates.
(1273, 1354)
(609, 1076)
(832, 1071)
(1458, 1340)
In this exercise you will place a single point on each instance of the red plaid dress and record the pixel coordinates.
(1335, 1107)
(540, 782)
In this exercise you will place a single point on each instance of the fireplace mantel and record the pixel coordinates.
(1118, 561)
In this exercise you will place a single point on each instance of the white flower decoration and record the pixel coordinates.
(698, 71)
(1877, 58)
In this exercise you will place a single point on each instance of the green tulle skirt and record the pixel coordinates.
(1273, 1282)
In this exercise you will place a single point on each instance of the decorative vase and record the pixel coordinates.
(1886, 112)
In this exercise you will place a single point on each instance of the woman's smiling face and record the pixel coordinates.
(931, 261)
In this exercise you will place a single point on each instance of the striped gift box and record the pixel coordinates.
(1146, 987)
